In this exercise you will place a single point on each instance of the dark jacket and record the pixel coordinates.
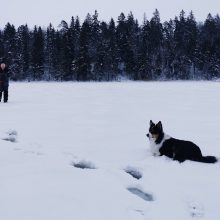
(4, 79)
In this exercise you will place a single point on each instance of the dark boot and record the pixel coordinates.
(0, 96)
(5, 96)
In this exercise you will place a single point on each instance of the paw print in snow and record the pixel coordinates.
(11, 136)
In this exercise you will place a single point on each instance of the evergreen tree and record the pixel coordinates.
(77, 29)
(122, 42)
(180, 38)
(95, 47)
(208, 46)
(191, 44)
(100, 63)
(10, 49)
(144, 53)
(217, 65)
(67, 50)
(57, 57)
(156, 41)
(112, 52)
(37, 54)
(131, 45)
(23, 44)
(74, 34)
(50, 52)
(82, 64)
(168, 50)
(2, 52)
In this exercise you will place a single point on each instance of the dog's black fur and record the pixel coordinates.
(179, 150)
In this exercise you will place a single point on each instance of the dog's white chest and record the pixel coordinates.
(154, 148)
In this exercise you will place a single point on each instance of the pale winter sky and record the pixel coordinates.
(42, 12)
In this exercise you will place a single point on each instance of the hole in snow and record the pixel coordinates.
(140, 193)
(11, 139)
(84, 165)
(134, 172)
(11, 136)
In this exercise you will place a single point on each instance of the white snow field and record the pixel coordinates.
(79, 151)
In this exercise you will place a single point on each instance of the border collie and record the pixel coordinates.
(180, 150)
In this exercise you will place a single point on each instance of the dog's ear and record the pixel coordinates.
(159, 125)
(151, 123)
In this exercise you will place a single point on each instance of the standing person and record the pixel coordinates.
(4, 81)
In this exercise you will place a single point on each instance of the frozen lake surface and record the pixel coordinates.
(79, 151)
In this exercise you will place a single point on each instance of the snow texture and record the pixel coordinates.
(49, 131)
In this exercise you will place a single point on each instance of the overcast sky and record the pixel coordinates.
(42, 12)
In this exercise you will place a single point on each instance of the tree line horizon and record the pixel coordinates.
(95, 50)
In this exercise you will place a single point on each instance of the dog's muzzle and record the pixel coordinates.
(148, 135)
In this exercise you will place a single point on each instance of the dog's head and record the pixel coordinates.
(155, 130)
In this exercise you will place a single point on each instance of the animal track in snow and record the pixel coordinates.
(38, 153)
(196, 210)
(145, 196)
(11, 136)
(84, 165)
(134, 172)
(139, 211)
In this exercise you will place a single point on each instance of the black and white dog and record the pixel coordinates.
(180, 150)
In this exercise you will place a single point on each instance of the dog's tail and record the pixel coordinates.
(208, 159)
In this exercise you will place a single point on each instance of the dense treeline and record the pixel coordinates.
(95, 50)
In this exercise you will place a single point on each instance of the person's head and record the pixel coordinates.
(3, 66)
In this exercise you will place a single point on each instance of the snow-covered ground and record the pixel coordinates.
(79, 151)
